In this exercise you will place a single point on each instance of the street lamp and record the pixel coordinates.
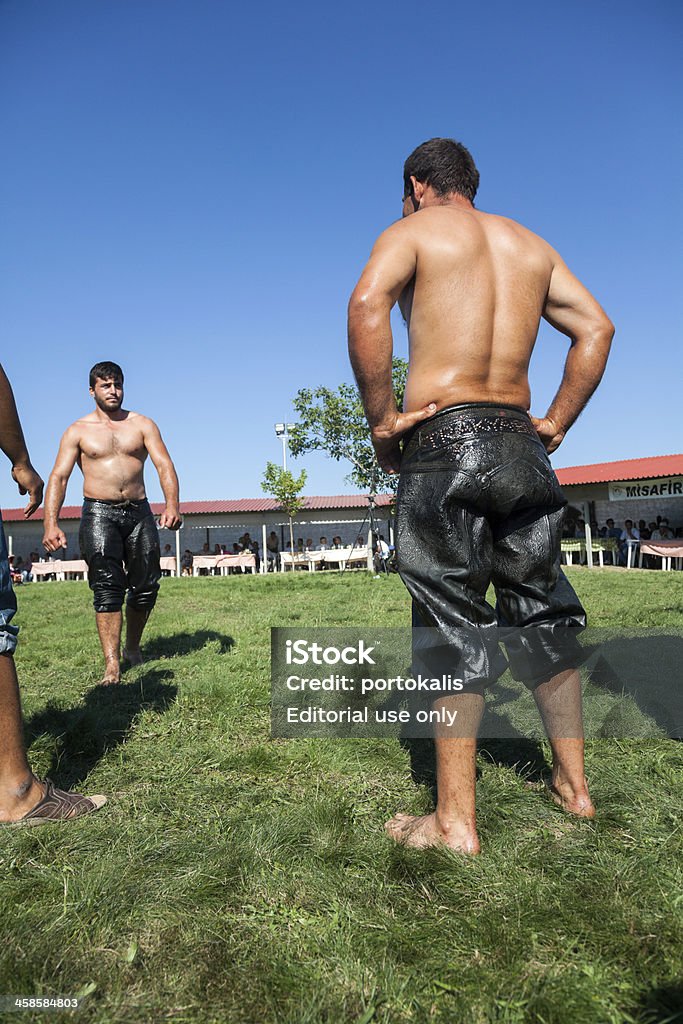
(282, 431)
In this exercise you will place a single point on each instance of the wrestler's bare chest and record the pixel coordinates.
(105, 442)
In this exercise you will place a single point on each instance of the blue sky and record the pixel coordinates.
(191, 188)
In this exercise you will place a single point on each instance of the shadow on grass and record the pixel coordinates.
(647, 668)
(524, 756)
(663, 1005)
(177, 644)
(83, 734)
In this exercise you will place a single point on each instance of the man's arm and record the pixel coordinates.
(571, 309)
(69, 448)
(14, 446)
(391, 266)
(168, 478)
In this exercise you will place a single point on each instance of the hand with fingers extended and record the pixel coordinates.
(54, 538)
(385, 438)
(549, 432)
(29, 482)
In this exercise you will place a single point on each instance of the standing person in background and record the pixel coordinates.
(118, 536)
(23, 797)
(272, 551)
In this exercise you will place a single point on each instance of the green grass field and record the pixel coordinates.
(236, 879)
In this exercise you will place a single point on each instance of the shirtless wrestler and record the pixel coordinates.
(118, 535)
(478, 501)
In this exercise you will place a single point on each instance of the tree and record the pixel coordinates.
(333, 421)
(286, 489)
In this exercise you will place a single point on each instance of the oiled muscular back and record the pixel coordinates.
(473, 307)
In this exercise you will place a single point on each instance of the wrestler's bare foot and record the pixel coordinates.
(133, 657)
(572, 799)
(112, 673)
(430, 830)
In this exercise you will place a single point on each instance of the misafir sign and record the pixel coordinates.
(664, 487)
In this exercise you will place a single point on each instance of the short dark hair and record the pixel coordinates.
(444, 164)
(105, 371)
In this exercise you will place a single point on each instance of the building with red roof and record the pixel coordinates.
(629, 488)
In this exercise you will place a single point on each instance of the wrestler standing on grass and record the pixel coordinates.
(118, 535)
(478, 501)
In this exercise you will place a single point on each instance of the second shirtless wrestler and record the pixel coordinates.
(478, 501)
(118, 535)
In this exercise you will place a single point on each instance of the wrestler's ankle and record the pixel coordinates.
(451, 823)
(17, 793)
(574, 784)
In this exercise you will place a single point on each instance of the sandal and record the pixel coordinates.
(60, 805)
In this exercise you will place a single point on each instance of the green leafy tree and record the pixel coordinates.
(286, 489)
(333, 421)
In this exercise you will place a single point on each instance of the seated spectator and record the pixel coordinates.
(663, 532)
(300, 546)
(167, 553)
(27, 573)
(16, 568)
(337, 543)
(612, 530)
(206, 550)
(629, 533)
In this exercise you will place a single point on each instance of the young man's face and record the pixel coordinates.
(108, 394)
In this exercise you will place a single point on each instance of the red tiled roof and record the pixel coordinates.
(239, 505)
(625, 469)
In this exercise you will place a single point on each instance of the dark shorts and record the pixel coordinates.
(8, 601)
(120, 543)
(479, 503)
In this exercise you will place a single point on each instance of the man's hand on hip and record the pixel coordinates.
(169, 519)
(29, 482)
(385, 438)
(549, 433)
